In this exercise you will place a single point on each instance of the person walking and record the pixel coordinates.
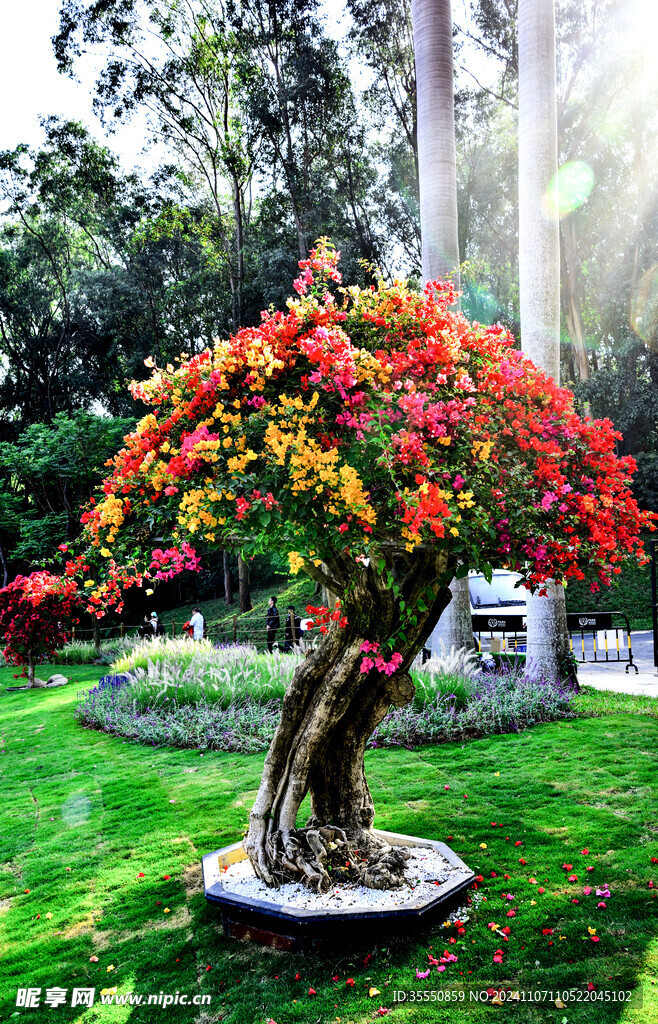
(197, 624)
(293, 631)
(272, 623)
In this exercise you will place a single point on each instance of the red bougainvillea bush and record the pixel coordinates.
(380, 439)
(35, 614)
(355, 422)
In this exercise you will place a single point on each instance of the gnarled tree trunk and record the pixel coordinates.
(329, 712)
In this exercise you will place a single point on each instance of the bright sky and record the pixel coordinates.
(31, 86)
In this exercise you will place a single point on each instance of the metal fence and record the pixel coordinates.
(596, 638)
(234, 630)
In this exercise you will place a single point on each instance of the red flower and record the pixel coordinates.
(350, 982)
(312, 992)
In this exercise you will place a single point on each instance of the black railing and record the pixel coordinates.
(233, 630)
(597, 638)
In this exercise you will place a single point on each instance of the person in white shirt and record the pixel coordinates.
(196, 622)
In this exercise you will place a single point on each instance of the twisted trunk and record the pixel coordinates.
(329, 712)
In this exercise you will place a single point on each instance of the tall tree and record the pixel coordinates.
(352, 453)
(539, 270)
(437, 175)
(185, 86)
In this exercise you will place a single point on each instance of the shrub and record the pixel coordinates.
(230, 699)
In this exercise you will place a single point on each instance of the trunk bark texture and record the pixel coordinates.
(329, 712)
(437, 174)
(228, 580)
(539, 272)
(437, 160)
(243, 585)
(30, 669)
(96, 633)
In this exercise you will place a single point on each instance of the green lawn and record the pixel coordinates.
(122, 816)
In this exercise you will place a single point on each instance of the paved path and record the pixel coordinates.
(612, 676)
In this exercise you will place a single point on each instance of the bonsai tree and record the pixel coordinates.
(382, 441)
(35, 614)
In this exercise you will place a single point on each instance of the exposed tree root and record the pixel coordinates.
(321, 857)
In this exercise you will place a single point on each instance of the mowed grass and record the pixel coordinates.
(122, 816)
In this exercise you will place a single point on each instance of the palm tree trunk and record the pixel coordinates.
(539, 271)
(437, 160)
(437, 171)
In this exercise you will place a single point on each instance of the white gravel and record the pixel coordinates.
(424, 871)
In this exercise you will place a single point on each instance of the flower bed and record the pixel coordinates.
(166, 704)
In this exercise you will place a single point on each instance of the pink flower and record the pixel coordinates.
(421, 975)
(366, 665)
(368, 646)
(511, 913)
(602, 904)
(587, 890)
(573, 878)
(441, 967)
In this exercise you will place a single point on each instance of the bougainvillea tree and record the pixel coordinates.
(381, 440)
(36, 613)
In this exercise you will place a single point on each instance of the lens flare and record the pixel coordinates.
(644, 308)
(76, 810)
(568, 190)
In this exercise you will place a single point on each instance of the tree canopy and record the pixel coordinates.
(360, 425)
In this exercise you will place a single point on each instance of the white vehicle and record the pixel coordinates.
(498, 611)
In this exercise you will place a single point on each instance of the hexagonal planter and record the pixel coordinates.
(297, 928)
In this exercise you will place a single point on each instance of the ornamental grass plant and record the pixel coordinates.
(230, 699)
(179, 671)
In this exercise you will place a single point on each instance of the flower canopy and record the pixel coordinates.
(358, 422)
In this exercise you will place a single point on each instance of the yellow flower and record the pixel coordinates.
(296, 561)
